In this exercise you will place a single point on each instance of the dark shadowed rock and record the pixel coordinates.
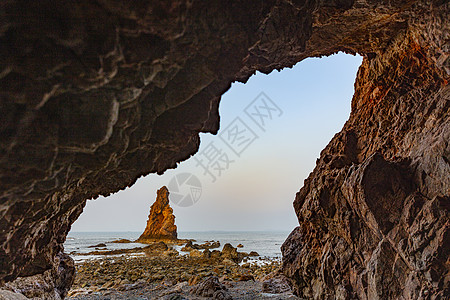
(276, 285)
(95, 94)
(229, 252)
(245, 277)
(53, 284)
(211, 288)
(161, 221)
(101, 245)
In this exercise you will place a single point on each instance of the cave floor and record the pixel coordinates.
(243, 290)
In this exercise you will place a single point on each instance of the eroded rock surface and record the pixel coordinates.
(161, 220)
(95, 94)
(374, 213)
(53, 284)
(211, 288)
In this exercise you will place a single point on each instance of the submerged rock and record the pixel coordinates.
(189, 246)
(122, 241)
(276, 285)
(161, 221)
(101, 245)
(151, 249)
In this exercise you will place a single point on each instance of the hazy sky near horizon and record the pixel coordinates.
(261, 165)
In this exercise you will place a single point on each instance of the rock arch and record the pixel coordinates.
(97, 94)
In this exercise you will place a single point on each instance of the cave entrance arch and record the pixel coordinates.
(97, 94)
(255, 191)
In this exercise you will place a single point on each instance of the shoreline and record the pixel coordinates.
(160, 271)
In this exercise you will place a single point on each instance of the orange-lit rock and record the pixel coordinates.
(161, 221)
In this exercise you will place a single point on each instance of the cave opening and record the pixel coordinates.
(286, 118)
(98, 94)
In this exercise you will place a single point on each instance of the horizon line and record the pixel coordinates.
(125, 231)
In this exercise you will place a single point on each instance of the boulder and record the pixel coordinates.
(53, 284)
(211, 288)
(156, 248)
(229, 252)
(9, 295)
(276, 285)
(206, 253)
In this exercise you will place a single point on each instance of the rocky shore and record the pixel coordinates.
(161, 272)
(172, 268)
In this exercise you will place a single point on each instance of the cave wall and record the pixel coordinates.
(96, 94)
(374, 213)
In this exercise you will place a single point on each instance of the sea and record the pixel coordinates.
(266, 243)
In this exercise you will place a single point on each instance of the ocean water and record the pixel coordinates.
(267, 244)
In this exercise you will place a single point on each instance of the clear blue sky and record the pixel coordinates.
(268, 166)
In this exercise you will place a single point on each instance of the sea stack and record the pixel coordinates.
(161, 221)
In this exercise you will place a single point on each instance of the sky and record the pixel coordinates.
(272, 130)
